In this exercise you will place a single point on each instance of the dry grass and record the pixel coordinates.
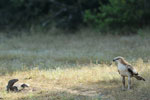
(73, 67)
(92, 82)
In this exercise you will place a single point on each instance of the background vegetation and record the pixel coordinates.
(73, 66)
(101, 14)
(47, 51)
(57, 47)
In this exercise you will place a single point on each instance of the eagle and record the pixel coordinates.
(126, 70)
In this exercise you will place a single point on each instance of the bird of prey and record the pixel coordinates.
(126, 70)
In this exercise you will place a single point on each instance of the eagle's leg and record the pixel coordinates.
(129, 82)
(123, 82)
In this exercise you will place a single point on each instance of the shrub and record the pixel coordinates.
(116, 14)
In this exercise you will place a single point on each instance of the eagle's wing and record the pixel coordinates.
(132, 70)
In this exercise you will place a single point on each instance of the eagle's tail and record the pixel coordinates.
(139, 77)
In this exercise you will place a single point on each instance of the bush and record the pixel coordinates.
(67, 14)
(117, 14)
(71, 14)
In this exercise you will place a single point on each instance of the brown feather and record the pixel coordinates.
(139, 77)
(124, 61)
(129, 67)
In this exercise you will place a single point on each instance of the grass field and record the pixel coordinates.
(73, 67)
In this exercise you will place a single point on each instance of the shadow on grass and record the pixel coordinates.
(100, 90)
(93, 91)
(58, 95)
(112, 90)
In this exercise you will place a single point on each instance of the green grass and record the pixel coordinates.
(53, 51)
(73, 67)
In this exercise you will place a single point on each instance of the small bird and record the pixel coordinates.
(126, 70)
(12, 86)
